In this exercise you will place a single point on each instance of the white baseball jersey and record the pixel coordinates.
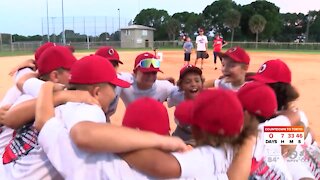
(205, 162)
(221, 83)
(10, 98)
(201, 42)
(23, 158)
(268, 159)
(298, 163)
(68, 159)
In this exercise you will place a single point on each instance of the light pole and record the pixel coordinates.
(48, 36)
(119, 18)
(63, 32)
(119, 25)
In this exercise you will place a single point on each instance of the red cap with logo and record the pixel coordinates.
(147, 114)
(189, 68)
(41, 49)
(153, 66)
(273, 71)
(216, 111)
(95, 69)
(237, 54)
(109, 53)
(258, 99)
(55, 57)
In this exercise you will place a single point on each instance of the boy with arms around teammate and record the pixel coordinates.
(83, 126)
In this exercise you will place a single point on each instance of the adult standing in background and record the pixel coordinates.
(202, 46)
(217, 45)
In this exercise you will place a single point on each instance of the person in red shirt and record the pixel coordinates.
(217, 45)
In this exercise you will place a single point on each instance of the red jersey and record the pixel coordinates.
(217, 44)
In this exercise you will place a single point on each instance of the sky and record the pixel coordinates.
(29, 17)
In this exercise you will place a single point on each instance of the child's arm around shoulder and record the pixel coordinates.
(153, 162)
(119, 139)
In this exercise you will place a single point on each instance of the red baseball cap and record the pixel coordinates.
(55, 57)
(147, 114)
(258, 99)
(109, 53)
(144, 56)
(273, 71)
(95, 69)
(216, 111)
(237, 54)
(41, 49)
(189, 68)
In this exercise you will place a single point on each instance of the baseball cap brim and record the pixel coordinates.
(191, 69)
(222, 55)
(261, 78)
(150, 69)
(184, 112)
(116, 60)
(120, 83)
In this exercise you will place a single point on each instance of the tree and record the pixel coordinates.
(292, 26)
(172, 28)
(266, 9)
(257, 24)
(213, 15)
(232, 20)
(189, 22)
(154, 18)
(314, 31)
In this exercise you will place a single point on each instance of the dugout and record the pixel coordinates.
(137, 36)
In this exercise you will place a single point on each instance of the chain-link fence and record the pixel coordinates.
(31, 46)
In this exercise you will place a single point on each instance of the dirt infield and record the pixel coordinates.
(305, 73)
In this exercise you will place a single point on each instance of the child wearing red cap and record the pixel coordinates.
(147, 114)
(144, 81)
(76, 125)
(23, 157)
(111, 54)
(235, 64)
(215, 129)
(259, 100)
(190, 84)
(277, 75)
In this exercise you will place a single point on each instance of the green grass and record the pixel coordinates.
(285, 51)
(15, 53)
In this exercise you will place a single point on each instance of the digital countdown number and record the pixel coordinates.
(283, 135)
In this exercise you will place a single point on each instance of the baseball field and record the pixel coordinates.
(305, 67)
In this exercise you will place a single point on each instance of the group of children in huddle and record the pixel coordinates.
(55, 120)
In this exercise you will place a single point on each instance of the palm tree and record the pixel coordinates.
(232, 20)
(257, 24)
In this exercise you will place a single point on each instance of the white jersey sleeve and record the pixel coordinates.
(11, 96)
(56, 143)
(32, 86)
(176, 97)
(278, 121)
(73, 113)
(21, 73)
(205, 162)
